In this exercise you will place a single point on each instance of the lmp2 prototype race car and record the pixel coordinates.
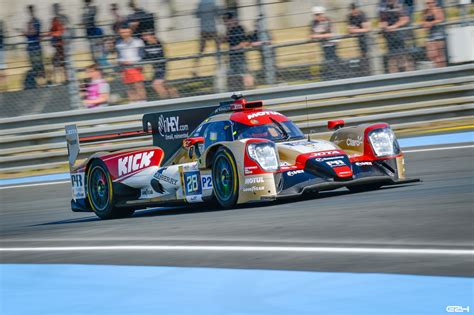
(234, 153)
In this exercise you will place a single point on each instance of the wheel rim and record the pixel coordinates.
(99, 189)
(224, 179)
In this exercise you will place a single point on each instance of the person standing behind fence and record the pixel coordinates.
(33, 37)
(154, 51)
(392, 18)
(433, 16)
(321, 30)
(130, 51)
(98, 90)
(57, 31)
(118, 19)
(359, 26)
(237, 40)
(3, 65)
(140, 20)
(93, 32)
(207, 12)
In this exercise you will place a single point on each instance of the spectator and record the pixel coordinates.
(98, 90)
(3, 65)
(118, 19)
(359, 26)
(93, 32)
(140, 20)
(321, 30)
(206, 12)
(33, 37)
(237, 40)
(59, 25)
(433, 15)
(129, 53)
(410, 8)
(154, 51)
(392, 18)
(259, 38)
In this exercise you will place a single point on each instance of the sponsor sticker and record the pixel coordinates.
(262, 113)
(170, 128)
(354, 142)
(336, 163)
(194, 198)
(363, 163)
(329, 158)
(192, 183)
(164, 178)
(206, 182)
(295, 172)
(146, 192)
(134, 162)
(249, 170)
(253, 188)
(254, 180)
(78, 186)
(326, 153)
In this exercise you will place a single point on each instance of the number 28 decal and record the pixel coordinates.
(192, 183)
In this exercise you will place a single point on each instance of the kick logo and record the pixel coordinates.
(134, 162)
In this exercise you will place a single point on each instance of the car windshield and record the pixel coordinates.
(274, 131)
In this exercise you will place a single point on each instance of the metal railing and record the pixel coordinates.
(37, 141)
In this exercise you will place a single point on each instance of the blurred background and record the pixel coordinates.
(78, 54)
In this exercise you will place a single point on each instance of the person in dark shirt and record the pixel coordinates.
(140, 20)
(321, 30)
(237, 40)
(3, 65)
(392, 18)
(153, 51)
(433, 16)
(34, 49)
(359, 26)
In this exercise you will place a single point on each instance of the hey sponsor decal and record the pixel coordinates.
(78, 186)
(170, 128)
(134, 162)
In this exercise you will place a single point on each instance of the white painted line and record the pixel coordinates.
(438, 149)
(152, 248)
(36, 184)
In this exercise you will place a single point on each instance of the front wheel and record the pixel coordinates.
(100, 193)
(225, 178)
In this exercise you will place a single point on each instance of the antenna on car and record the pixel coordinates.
(237, 96)
(307, 119)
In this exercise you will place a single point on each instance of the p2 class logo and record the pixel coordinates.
(134, 162)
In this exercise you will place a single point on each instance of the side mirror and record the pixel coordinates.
(190, 142)
(335, 124)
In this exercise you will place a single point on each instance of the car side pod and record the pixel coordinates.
(335, 124)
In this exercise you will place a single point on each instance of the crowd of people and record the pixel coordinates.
(133, 40)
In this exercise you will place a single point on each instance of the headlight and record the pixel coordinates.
(384, 142)
(264, 154)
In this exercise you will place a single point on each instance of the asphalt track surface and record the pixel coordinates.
(421, 228)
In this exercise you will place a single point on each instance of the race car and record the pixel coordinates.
(235, 153)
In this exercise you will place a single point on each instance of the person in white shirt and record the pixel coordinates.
(130, 52)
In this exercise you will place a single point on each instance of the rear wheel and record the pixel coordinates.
(100, 193)
(225, 178)
(362, 188)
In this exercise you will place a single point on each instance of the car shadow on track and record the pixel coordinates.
(204, 208)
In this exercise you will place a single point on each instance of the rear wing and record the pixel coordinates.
(168, 129)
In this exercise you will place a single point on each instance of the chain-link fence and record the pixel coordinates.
(58, 75)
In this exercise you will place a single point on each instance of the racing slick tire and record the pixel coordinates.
(100, 193)
(362, 188)
(225, 178)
